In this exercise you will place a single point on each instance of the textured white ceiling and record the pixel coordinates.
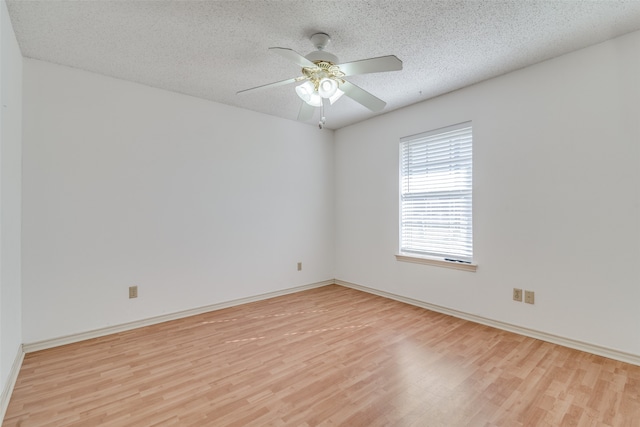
(212, 49)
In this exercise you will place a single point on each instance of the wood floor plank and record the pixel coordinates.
(324, 357)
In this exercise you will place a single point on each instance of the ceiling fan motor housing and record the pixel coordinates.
(322, 56)
(320, 41)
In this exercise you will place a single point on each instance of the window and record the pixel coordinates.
(436, 193)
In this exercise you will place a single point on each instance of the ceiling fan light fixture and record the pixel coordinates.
(327, 87)
(315, 100)
(305, 90)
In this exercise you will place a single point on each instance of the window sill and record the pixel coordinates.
(437, 262)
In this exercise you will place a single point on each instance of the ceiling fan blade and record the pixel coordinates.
(362, 96)
(292, 55)
(371, 65)
(280, 83)
(306, 112)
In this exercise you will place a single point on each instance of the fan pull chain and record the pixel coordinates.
(323, 119)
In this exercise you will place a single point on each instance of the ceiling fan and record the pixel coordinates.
(323, 78)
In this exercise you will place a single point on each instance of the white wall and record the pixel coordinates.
(10, 184)
(556, 197)
(199, 203)
(195, 202)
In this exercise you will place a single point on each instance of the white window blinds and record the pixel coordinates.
(435, 193)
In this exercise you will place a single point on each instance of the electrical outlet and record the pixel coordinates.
(133, 292)
(529, 297)
(299, 266)
(517, 294)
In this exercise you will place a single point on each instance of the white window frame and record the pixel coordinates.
(436, 197)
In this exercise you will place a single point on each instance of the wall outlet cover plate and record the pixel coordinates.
(529, 297)
(517, 294)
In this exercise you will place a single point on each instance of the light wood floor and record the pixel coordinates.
(328, 356)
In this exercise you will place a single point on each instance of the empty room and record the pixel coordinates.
(301, 213)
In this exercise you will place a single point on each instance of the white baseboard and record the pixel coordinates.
(544, 336)
(11, 382)
(69, 339)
